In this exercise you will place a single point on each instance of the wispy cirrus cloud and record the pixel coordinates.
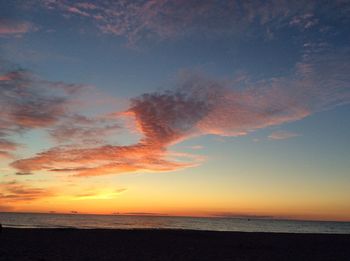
(196, 147)
(304, 22)
(282, 135)
(13, 27)
(202, 106)
(164, 19)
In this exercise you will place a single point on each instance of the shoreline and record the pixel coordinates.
(167, 229)
(168, 244)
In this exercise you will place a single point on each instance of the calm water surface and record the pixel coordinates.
(28, 220)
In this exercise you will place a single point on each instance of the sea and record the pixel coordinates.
(80, 221)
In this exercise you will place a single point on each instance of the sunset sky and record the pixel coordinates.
(176, 107)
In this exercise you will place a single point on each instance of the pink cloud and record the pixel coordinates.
(11, 27)
(168, 19)
(196, 147)
(28, 102)
(86, 5)
(24, 105)
(5, 155)
(282, 135)
(101, 160)
(86, 130)
(201, 106)
(75, 10)
(8, 145)
(304, 21)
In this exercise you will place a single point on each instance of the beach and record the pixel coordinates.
(163, 244)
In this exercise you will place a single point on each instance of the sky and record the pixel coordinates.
(176, 107)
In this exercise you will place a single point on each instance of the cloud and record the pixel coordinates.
(101, 160)
(5, 155)
(165, 19)
(12, 27)
(28, 102)
(75, 10)
(282, 135)
(25, 104)
(85, 130)
(23, 173)
(198, 105)
(241, 215)
(202, 106)
(7, 145)
(304, 22)
(4, 208)
(142, 214)
(106, 194)
(14, 191)
(196, 147)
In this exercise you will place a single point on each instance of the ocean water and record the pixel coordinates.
(29, 220)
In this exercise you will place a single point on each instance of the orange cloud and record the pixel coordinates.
(101, 160)
(105, 194)
(14, 191)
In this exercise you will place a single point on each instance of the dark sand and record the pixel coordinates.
(74, 244)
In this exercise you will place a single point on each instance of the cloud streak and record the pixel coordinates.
(282, 135)
(107, 194)
(14, 191)
(11, 27)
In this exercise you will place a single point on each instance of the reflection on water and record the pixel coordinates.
(27, 220)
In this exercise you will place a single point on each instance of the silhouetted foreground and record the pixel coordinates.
(75, 244)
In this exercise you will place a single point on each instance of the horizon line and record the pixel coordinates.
(139, 214)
